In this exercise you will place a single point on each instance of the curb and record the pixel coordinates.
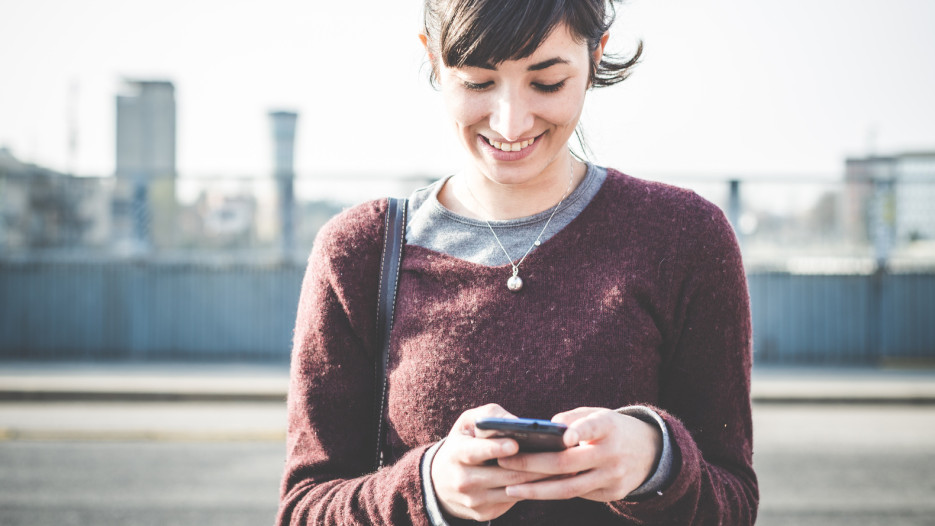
(135, 396)
(773, 398)
(243, 383)
(843, 400)
(53, 435)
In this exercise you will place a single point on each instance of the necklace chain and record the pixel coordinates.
(515, 283)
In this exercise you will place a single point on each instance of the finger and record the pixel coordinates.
(591, 427)
(479, 505)
(490, 410)
(571, 437)
(497, 477)
(557, 488)
(476, 451)
(568, 417)
(465, 423)
(569, 461)
(496, 495)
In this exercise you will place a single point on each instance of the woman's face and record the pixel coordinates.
(515, 118)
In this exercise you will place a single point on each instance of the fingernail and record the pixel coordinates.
(572, 437)
(510, 491)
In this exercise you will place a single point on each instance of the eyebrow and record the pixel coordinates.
(545, 64)
(539, 66)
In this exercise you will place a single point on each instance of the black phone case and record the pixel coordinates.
(531, 435)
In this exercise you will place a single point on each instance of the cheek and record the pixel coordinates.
(563, 109)
(464, 110)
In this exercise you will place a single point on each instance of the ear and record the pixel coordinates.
(599, 52)
(425, 43)
(428, 51)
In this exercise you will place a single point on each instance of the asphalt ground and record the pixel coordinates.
(213, 463)
(141, 444)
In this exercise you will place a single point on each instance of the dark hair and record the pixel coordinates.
(483, 32)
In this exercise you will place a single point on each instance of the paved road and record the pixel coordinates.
(845, 465)
(47, 483)
(206, 464)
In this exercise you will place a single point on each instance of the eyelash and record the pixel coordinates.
(549, 88)
(474, 86)
(544, 88)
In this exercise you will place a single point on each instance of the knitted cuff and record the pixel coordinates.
(659, 479)
(432, 508)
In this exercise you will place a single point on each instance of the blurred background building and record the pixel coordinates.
(283, 127)
(146, 129)
(890, 201)
(144, 198)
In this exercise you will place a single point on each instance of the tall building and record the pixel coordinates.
(282, 124)
(144, 201)
(146, 129)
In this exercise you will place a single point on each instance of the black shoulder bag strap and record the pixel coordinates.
(393, 240)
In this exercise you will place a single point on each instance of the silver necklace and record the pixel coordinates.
(515, 283)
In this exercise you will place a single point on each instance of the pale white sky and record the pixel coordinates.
(726, 87)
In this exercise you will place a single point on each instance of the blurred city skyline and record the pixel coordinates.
(725, 88)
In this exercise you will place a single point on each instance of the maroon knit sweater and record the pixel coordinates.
(641, 299)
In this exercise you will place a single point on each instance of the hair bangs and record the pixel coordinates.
(488, 33)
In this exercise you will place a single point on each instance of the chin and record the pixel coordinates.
(510, 174)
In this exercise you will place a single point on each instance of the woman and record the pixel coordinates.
(532, 285)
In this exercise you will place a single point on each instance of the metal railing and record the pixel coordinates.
(806, 226)
(210, 268)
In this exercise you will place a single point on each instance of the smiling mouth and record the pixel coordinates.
(510, 146)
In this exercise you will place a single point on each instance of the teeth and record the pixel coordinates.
(510, 146)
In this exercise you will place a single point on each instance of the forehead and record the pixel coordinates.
(560, 42)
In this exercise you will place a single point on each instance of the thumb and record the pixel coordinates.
(589, 427)
(465, 423)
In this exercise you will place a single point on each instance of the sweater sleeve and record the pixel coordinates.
(331, 433)
(705, 384)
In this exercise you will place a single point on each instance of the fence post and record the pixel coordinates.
(141, 215)
(883, 219)
(733, 207)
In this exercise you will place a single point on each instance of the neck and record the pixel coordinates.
(475, 195)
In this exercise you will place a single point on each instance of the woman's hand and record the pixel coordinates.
(615, 453)
(467, 484)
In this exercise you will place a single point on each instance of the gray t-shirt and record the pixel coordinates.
(432, 226)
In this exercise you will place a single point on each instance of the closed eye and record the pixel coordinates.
(475, 86)
(549, 88)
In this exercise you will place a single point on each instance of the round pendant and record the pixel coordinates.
(515, 283)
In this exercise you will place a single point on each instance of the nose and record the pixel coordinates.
(512, 115)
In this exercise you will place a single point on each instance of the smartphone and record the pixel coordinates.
(532, 435)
